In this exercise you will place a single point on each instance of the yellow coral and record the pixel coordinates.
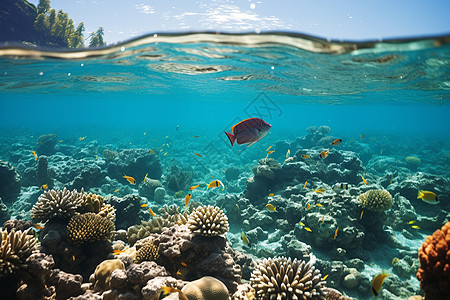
(413, 161)
(376, 200)
(89, 227)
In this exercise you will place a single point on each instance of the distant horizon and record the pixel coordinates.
(325, 19)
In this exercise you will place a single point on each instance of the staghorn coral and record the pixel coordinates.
(61, 204)
(434, 271)
(208, 221)
(146, 250)
(376, 200)
(15, 248)
(89, 227)
(281, 278)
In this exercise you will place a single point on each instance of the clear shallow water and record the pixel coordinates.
(166, 89)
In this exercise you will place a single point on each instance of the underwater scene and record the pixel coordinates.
(226, 166)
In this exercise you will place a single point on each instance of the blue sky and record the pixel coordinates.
(336, 19)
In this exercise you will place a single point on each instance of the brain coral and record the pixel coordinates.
(282, 279)
(61, 204)
(434, 271)
(15, 248)
(89, 227)
(376, 200)
(206, 288)
(208, 221)
(94, 203)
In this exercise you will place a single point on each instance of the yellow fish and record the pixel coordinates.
(34, 153)
(244, 238)
(167, 136)
(144, 205)
(390, 180)
(335, 233)
(43, 187)
(308, 206)
(288, 153)
(306, 156)
(268, 148)
(187, 199)
(415, 227)
(377, 283)
(271, 195)
(306, 182)
(301, 223)
(381, 152)
(60, 141)
(320, 191)
(96, 157)
(271, 207)
(81, 138)
(179, 272)
(194, 187)
(411, 222)
(167, 290)
(165, 154)
(365, 182)
(36, 158)
(199, 155)
(152, 213)
(307, 229)
(362, 136)
(318, 204)
(325, 277)
(323, 219)
(130, 179)
(428, 197)
(73, 257)
(214, 184)
(117, 252)
(360, 217)
(151, 152)
(145, 177)
(116, 191)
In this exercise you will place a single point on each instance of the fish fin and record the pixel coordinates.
(231, 137)
(419, 194)
(252, 143)
(207, 186)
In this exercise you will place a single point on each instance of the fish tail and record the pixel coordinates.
(419, 194)
(207, 186)
(231, 137)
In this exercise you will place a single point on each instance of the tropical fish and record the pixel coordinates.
(117, 252)
(167, 290)
(165, 154)
(36, 158)
(130, 179)
(288, 153)
(144, 205)
(96, 157)
(184, 264)
(320, 191)
(390, 180)
(60, 141)
(179, 272)
(324, 154)
(167, 136)
(325, 277)
(145, 177)
(81, 138)
(194, 187)
(362, 136)
(377, 283)
(307, 229)
(248, 131)
(340, 186)
(237, 206)
(199, 155)
(305, 156)
(73, 257)
(335, 233)
(365, 182)
(268, 148)
(428, 197)
(301, 223)
(187, 199)
(415, 227)
(43, 187)
(323, 219)
(318, 204)
(336, 142)
(308, 206)
(116, 191)
(381, 151)
(244, 238)
(360, 217)
(214, 184)
(34, 153)
(271, 207)
(38, 226)
(271, 195)
(152, 213)
(411, 222)
(196, 136)
(306, 182)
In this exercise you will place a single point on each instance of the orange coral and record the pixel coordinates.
(434, 271)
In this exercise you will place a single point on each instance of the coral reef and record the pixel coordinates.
(42, 172)
(15, 248)
(283, 278)
(178, 179)
(376, 200)
(102, 274)
(46, 144)
(61, 204)
(89, 227)
(147, 188)
(9, 182)
(146, 250)
(434, 271)
(127, 209)
(208, 221)
(206, 288)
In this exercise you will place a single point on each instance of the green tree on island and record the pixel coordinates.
(97, 38)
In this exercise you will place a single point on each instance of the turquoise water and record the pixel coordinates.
(163, 90)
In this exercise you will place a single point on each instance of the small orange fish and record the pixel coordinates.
(306, 156)
(246, 166)
(144, 205)
(307, 229)
(362, 136)
(184, 264)
(96, 157)
(214, 184)
(323, 154)
(34, 153)
(187, 199)
(179, 272)
(325, 277)
(37, 226)
(194, 187)
(73, 257)
(308, 206)
(117, 252)
(318, 204)
(116, 191)
(271, 195)
(167, 290)
(152, 213)
(199, 155)
(196, 136)
(320, 191)
(365, 182)
(390, 180)
(323, 219)
(336, 142)
(43, 187)
(130, 179)
(306, 182)
(335, 233)
(165, 154)
(36, 158)
(145, 177)
(360, 217)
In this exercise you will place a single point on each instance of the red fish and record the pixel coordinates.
(248, 131)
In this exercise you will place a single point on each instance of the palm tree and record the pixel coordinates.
(43, 6)
(97, 38)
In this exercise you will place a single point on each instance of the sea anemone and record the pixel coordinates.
(15, 248)
(281, 278)
(376, 200)
(208, 221)
(61, 204)
(89, 227)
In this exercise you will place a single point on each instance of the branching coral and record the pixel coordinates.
(137, 232)
(281, 279)
(94, 203)
(208, 221)
(15, 248)
(89, 227)
(376, 200)
(61, 204)
(434, 271)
